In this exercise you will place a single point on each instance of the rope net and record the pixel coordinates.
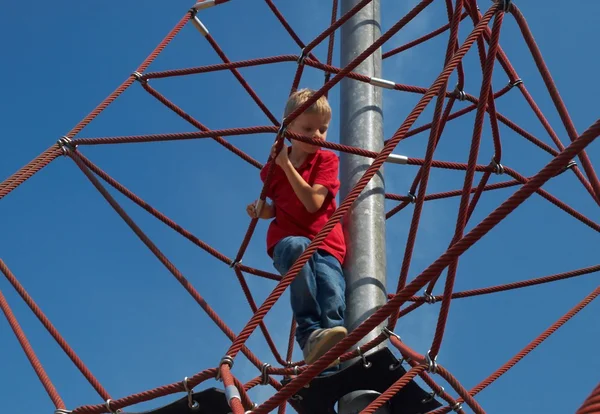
(483, 35)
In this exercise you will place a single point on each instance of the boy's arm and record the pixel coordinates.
(311, 197)
(265, 210)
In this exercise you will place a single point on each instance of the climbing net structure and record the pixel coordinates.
(484, 35)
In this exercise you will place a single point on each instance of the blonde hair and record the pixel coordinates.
(298, 98)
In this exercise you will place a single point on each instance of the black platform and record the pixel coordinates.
(385, 370)
(210, 401)
(323, 392)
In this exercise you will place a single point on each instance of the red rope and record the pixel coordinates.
(29, 170)
(185, 233)
(242, 81)
(288, 28)
(127, 83)
(471, 194)
(324, 361)
(334, 9)
(558, 102)
(160, 256)
(54, 332)
(420, 40)
(592, 403)
(198, 125)
(33, 359)
(511, 286)
(434, 269)
(530, 347)
(503, 59)
(469, 176)
(422, 177)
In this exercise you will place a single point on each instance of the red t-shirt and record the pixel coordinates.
(292, 218)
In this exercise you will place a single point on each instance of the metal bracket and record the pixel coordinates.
(498, 168)
(225, 360)
(265, 375)
(433, 394)
(232, 392)
(397, 159)
(432, 364)
(366, 363)
(572, 164)
(235, 263)
(201, 5)
(66, 145)
(383, 83)
(516, 83)
(139, 77)
(107, 403)
(460, 94)
(389, 333)
(505, 5)
(200, 26)
(429, 298)
(302, 56)
(457, 407)
(194, 406)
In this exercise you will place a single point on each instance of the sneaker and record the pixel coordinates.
(322, 340)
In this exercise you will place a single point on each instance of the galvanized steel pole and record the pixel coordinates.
(361, 125)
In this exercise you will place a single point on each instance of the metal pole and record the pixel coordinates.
(361, 125)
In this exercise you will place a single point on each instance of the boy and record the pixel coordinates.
(303, 189)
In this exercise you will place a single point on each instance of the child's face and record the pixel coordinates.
(311, 125)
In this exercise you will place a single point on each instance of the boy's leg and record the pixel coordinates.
(303, 290)
(331, 288)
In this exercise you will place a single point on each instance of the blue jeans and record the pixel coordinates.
(317, 292)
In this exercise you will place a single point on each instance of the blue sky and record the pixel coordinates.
(123, 312)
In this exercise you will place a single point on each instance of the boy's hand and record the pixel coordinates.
(251, 210)
(281, 159)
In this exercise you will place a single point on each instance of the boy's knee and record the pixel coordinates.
(295, 246)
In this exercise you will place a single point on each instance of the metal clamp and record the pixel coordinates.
(265, 374)
(225, 360)
(498, 168)
(461, 96)
(200, 26)
(389, 333)
(432, 395)
(203, 5)
(139, 77)
(516, 83)
(302, 56)
(366, 363)
(254, 407)
(457, 407)
(382, 83)
(412, 197)
(282, 129)
(506, 5)
(235, 263)
(232, 392)
(432, 364)
(66, 145)
(193, 404)
(570, 165)
(296, 369)
(62, 411)
(429, 298)
(110, 410)
(394, 367)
